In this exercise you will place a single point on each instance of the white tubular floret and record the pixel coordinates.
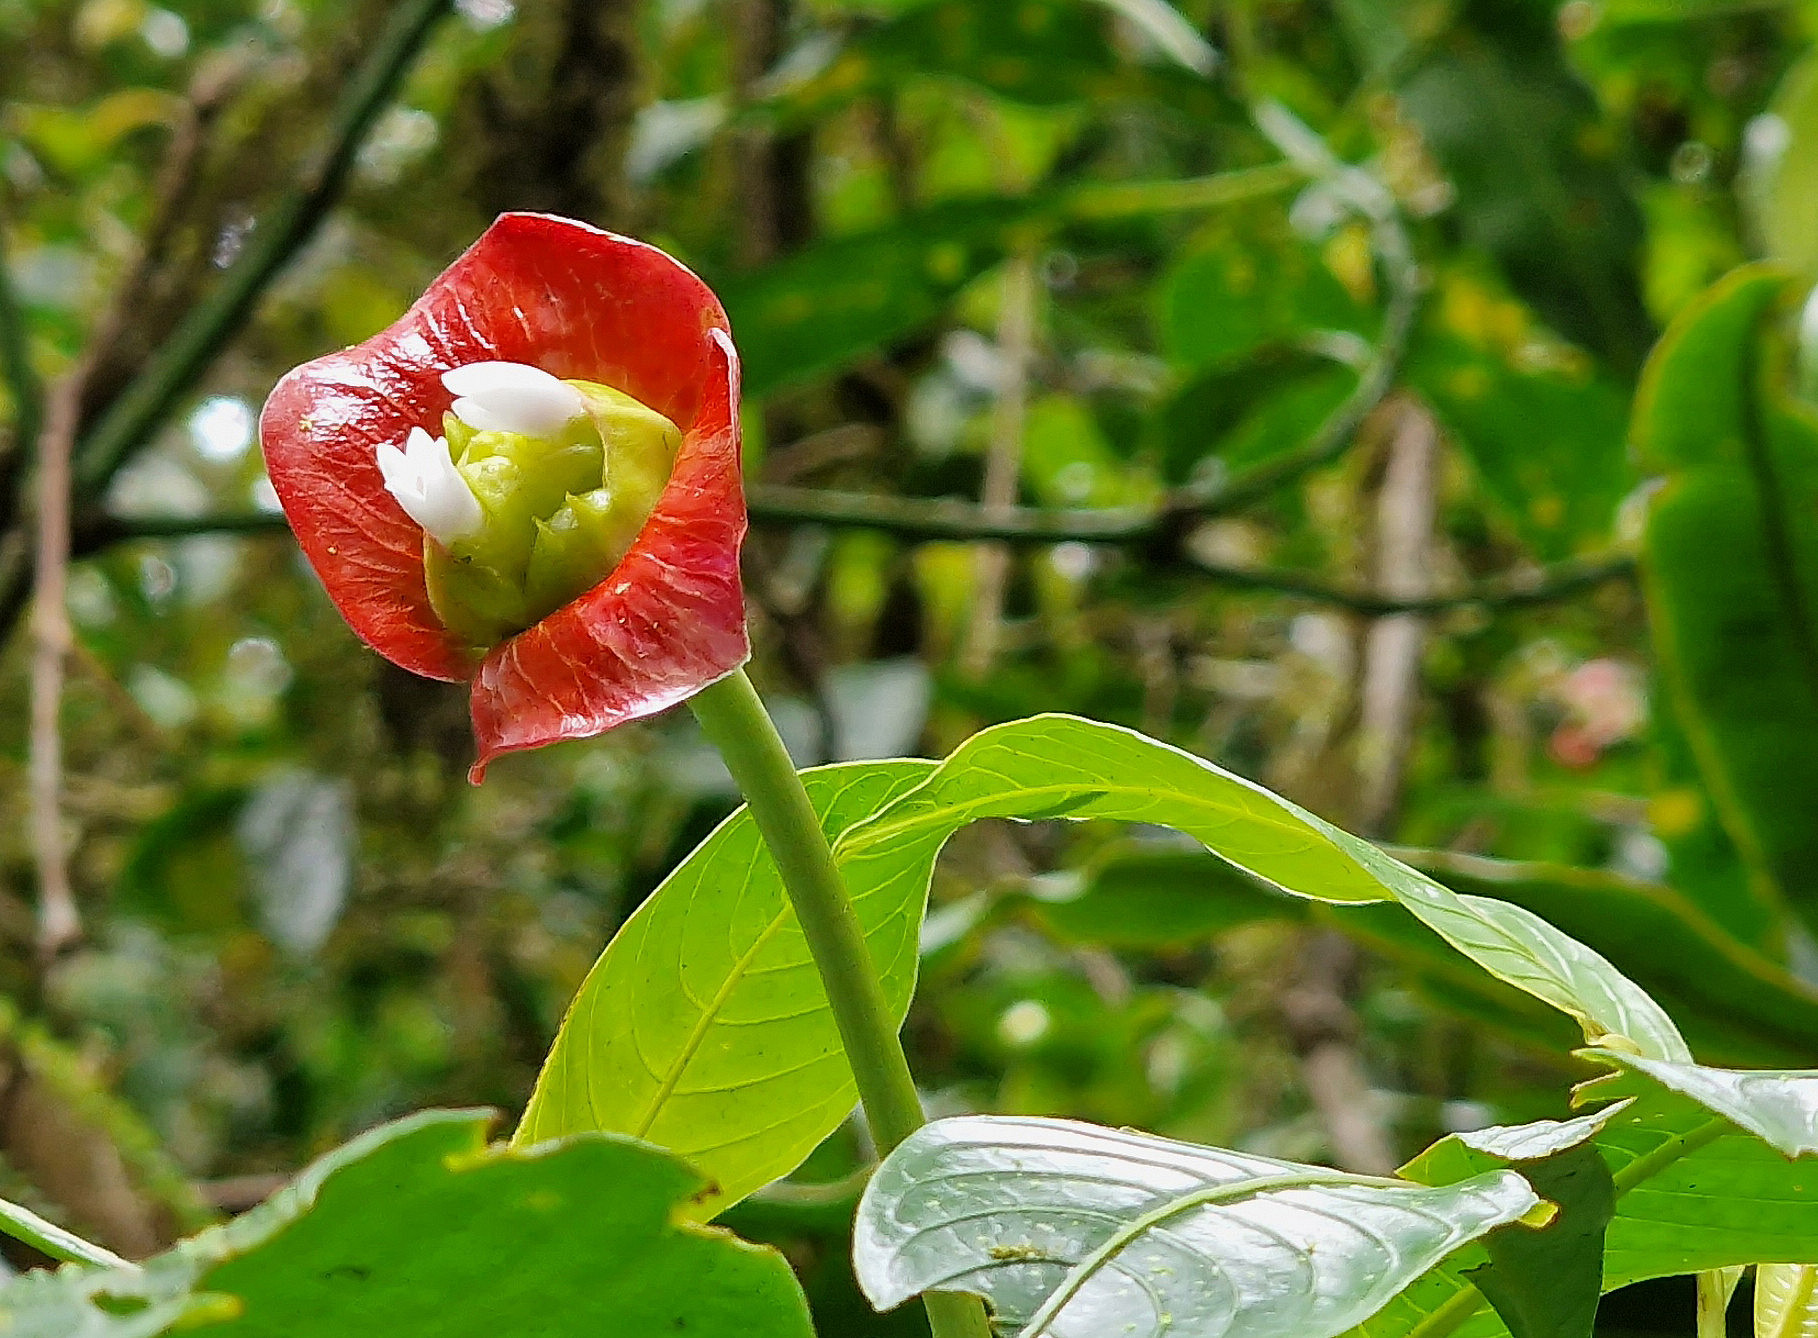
(431, 490)
(512, 397)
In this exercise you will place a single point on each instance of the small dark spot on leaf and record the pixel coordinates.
(357, 1272)
(704, 1193)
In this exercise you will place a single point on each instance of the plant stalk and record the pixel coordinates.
(736, 723)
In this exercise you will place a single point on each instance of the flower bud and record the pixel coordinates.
(563, 473)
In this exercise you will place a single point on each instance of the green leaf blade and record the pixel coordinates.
(1077, 1230)
(704, 1027)
(1060, 766)
(419, 1227)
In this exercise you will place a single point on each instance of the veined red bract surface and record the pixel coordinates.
(580, 303)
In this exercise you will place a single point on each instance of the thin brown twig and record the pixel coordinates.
(144, 404)
(1003, 460)
(59, 923)
(1319, 1009)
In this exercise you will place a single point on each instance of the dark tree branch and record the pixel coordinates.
(192, 347)
(966, 520)
(142, 408)
(1545, 585)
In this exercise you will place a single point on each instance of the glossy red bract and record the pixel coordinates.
(580, 303)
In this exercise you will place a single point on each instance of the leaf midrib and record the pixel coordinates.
(875, 832)
(1082, 1272)
(710, 1012)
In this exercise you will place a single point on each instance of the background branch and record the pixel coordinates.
(148, 400)
(59, 925)
(16, 367)
(774, 505)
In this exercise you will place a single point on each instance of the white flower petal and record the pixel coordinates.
(424, 480)
(512, 397)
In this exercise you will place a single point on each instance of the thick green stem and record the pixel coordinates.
(737, 724)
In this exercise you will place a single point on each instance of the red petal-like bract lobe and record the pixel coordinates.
(583, 304)
(667, 622)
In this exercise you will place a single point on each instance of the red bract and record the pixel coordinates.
(582, 304)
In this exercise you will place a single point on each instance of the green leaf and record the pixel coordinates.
(1248, 282)
(704, 1028)
(1035, 51)
(1072, 1230)
(418, 1228)
(1545, 1283)
(1697, 1193)
(1517, 133)
(1698, 390)
(22, 1224)
(1732, 1001)
(1786, 1301)
(835, 300)
(1543, 429)
(1055, 766)
(1737, 639)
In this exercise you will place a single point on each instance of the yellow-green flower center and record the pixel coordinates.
(557, 510)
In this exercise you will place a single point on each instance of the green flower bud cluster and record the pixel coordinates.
(559, 512)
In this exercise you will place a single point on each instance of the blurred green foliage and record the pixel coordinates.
(299, 920)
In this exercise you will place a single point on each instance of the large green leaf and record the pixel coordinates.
(1055, 766)
(418, 1228)
(1687, 1206)
(704, 1028)
(1737, 638)
(1073, 1231)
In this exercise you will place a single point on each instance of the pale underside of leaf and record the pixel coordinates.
(1786, 1301)
(1778, 1106)
(1122, 1233)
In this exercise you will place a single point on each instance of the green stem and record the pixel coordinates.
(735, 721)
